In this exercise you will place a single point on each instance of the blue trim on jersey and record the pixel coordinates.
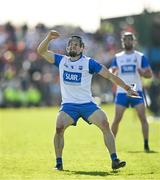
(58, 59)
(114, 62)
(126, 101)
(94, 66)
(144, 63)
(75, 111)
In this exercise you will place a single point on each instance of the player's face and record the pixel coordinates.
(128, 43)
(74, 48)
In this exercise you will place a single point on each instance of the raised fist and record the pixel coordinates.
(53, 35)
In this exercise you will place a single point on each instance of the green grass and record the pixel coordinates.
(26, 150)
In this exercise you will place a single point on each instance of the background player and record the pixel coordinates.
(129, 65)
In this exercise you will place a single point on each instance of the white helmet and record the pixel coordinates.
(128, 34)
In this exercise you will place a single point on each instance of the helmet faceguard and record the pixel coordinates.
(124, 36)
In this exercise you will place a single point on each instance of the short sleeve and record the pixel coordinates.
(94, 66)
(114, 63)
(58, 59)
(144, 62)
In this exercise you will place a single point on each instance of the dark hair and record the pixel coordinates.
(77, 38)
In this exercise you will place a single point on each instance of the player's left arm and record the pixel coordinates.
(145, 70)
(115, 79)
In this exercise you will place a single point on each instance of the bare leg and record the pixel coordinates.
(144, 124)
(119, 110)
(63, 121)
(100, 120)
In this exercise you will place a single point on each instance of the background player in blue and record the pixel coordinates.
(76, 71)
(129, 65)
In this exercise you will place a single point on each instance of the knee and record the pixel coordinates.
(105, 125)
(59, 130)
(143, 118)
(117, 119)
(144, 121)
(115, 123)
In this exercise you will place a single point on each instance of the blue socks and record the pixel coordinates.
(146, 142)
(113, 156)
(59, 160)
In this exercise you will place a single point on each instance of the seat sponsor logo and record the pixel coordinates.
(128, 68)
(73, 78)
(80, 67)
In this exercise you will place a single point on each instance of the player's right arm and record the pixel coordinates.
(43, 46)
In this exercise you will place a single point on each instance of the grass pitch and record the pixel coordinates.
(26, 150)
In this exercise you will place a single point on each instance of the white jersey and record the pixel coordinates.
(75, 78)
(127, 66)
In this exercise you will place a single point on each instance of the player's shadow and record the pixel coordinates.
(148, 152)
(92, 173)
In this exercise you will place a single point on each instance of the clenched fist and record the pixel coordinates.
(53, 35)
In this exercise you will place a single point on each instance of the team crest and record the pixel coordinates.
(80, 67)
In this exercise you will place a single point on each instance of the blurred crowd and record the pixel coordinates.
(27, 80)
